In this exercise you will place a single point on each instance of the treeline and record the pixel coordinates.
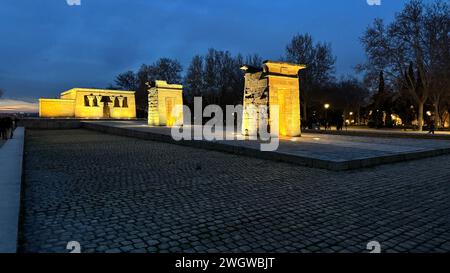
(163, 69)
(217, 78)
(407, 72)
(408, 65)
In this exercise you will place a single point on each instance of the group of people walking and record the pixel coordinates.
(7, 126)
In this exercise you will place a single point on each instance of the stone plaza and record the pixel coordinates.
(121, 194)
(112, 183)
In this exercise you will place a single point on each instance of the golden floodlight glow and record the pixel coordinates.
(90, 103)
(276, 84)
(326, 106)
(162, 100)
(396, 119)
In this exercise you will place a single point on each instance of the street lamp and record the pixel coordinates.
(326, 106)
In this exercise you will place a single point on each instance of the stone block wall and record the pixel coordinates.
(163, 98)
(275, 84)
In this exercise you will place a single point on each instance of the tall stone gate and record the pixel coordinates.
(275, 84)
(162, 100)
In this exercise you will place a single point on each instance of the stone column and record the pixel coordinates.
(120, 101)
(111, 98)
(99, 99)
(91, 100)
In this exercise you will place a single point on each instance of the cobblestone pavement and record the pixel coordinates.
(117, 194)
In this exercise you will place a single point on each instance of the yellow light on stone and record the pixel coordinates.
(275, 85)
(162, 100)
(396, 119)
(90, 103)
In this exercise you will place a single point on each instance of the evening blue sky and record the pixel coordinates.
(47, 46)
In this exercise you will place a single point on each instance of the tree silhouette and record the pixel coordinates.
(127, 81)
(217, 78)
(319, 62)
(194, 83)
(163, 69)
(409, 50)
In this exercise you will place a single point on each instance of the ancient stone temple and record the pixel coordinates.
(90, 103)
(275, 84)
(162, 100)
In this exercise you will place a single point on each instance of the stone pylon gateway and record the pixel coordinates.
(275, 84)
(162, 100)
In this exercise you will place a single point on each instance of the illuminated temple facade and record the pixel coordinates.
(275, 84)
(162, 100)
(90, 104)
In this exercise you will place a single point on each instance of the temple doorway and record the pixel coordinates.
(283, 111)
(107, 103)
(169, 108)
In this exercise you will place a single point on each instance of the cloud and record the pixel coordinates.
(49, 46)
(16, 106)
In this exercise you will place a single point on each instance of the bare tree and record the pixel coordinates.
(319, 62)
(127, 81)
(253, 60)
(437, 26)
(405, 50)
(163, 69)
(193, 82)
(217, 78)
(222, 77)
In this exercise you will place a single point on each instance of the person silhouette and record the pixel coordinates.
(432, 128)
(9, 127)
(3, 128)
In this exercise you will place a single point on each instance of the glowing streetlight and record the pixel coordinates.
(326, 106)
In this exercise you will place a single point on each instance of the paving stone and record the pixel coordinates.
(118, 194)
